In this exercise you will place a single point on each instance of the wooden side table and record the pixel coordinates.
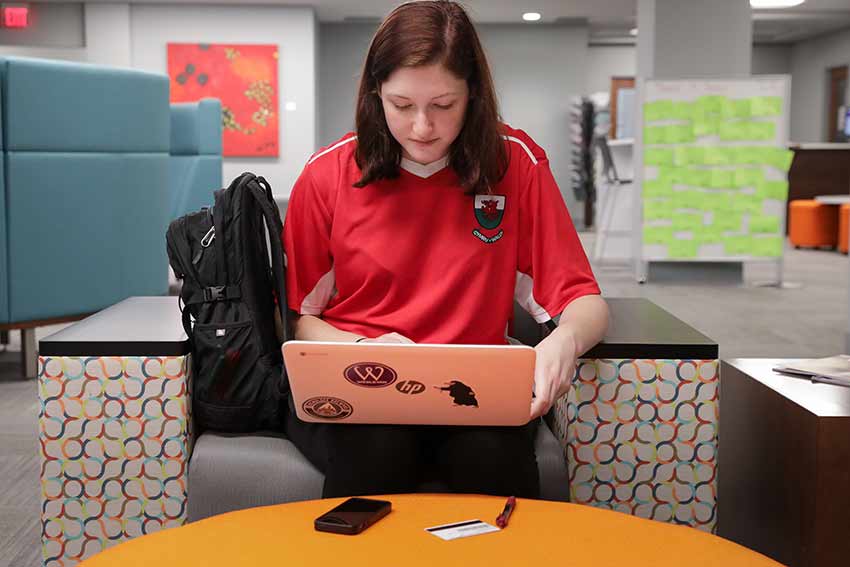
(785, 465)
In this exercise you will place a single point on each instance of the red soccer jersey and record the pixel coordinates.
(417, 256)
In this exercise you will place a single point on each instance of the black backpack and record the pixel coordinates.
(229, 290)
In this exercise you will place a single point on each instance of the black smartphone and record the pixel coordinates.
(352, 516)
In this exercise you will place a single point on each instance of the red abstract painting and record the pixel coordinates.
(243, 78)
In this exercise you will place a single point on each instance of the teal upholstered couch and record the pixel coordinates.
(194, 170)
(84, 190)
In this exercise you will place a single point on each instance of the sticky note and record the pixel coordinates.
(682, 110)
(710, 234)
(686, 199)
(768, 246)
(706, 126)
(688, 155)
(682, 249)
(764, 224)
(738, 245)
(721, 178)
(679, 134)
(709, 104)
(657, 156)
(731, 131)
(779, 158)
(743, 203)
(657, 188)
(717, 201)
(773, 190)
(657, 209)
(759, 131)
(715, 155)
(655, 135)
(687, 221)
(766, 105)
(673, 174)
(696, 177)
(727, 221)
(657, 234)
(746, 155)
(749, 177)
(657, 110)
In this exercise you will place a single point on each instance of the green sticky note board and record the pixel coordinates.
(721, 178)
(687, 221)
(682, 249)
(766, 105)
(657, 110)
(773, 190)
(738, 245)
(749, 177)
(657, 188)
(727, 221)
(657, 234)
(770, 246)
(760, 224)
(657, 209)
(657, 156)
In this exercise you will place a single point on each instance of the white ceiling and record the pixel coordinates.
(609, 20)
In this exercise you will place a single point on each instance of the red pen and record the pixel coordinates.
(502, 519)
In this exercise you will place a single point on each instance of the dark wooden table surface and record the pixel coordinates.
(784, 464)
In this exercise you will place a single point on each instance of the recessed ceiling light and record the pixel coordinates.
(531, 16)
(775, 3)
(633, 31)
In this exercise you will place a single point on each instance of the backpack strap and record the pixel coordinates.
(262, 192)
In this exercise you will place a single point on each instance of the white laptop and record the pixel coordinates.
(410, 383)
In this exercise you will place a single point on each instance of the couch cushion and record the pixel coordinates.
(4, 259)
(192, 181)
(231, 472)
(85, 231)
(196, 127)
(74, 107)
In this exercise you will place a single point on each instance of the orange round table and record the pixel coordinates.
(539, 533)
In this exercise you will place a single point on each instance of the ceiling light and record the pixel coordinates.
(633, 31)
(531, 16)
(775, 3)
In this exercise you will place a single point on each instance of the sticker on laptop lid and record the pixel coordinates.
(327, 407)
(461, 394)
(458, 530)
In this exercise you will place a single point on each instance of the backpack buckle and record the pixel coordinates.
(214, 293)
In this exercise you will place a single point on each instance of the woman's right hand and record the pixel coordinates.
(389, 338)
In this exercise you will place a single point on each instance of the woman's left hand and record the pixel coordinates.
(553, 370)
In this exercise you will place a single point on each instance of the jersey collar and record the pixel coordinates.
(424, 171)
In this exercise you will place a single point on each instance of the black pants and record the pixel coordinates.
(360, 460)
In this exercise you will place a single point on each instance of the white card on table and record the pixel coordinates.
(457, 530)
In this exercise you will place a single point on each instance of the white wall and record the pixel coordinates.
(293, 30)
(606, 61)
(342, 50)
(537, 71)
(810, 64)
(108, 34)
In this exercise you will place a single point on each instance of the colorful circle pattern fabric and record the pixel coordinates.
(115, 446)
(641, 437)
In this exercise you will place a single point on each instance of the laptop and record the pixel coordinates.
(410, 383)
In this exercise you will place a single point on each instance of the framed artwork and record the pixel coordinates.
(244, 79)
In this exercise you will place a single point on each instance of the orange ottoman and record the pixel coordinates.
(812, 224)
(843, 222)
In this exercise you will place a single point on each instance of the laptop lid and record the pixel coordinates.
(410, 383)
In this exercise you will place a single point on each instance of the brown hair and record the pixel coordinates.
(426, 33)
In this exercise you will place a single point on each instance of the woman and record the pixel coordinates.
(424, 227)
